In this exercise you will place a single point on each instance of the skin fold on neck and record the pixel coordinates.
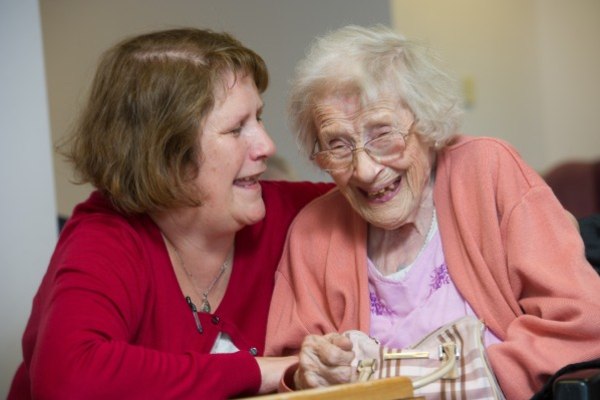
(391, 250)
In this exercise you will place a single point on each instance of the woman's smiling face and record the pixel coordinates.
(235, 146)
(386, 195)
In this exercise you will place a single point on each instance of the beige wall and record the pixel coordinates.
(532, 65)
(568, 36)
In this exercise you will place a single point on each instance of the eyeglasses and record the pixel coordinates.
(384, 149)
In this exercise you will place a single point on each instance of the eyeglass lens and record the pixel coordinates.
(383, 149)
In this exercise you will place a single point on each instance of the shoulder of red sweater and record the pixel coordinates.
(97, 221)
(289, 189)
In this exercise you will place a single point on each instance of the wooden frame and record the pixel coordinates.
(396, 388)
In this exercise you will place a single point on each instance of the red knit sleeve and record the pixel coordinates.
(91, 335)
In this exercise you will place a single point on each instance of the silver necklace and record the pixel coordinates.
(205, 306)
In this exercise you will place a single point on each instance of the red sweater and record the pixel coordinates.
(110, 321)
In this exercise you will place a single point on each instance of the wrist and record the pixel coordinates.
(272, 370)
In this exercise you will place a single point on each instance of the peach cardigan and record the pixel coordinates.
(511, 250)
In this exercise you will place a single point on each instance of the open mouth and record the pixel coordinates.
(248, 181)
(385, 193)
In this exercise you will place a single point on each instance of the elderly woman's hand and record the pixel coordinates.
(324, 361)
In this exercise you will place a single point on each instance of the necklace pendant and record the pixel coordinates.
(205, 307)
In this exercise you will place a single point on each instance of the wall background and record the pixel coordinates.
(28, 226)
(531, 66)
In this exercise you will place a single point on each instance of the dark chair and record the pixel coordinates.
(579, 381)
(576, 184)
(589, 227)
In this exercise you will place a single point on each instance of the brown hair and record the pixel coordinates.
(137, 137)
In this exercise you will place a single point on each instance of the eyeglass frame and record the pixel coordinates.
(353, 150)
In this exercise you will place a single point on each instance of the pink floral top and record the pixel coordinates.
(409, 304)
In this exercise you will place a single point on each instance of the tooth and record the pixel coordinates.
(383, 190)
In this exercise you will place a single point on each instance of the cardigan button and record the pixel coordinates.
(215, 320)
(253, 351)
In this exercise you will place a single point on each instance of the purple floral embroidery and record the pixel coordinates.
(439, 277)
(377, 306)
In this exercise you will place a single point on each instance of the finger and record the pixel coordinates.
(337, 375)
(334, 349)
(318, 353)
(341, 341)
(324, 377)
(323, 363)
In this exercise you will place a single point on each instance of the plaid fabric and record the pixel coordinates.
(473, 377)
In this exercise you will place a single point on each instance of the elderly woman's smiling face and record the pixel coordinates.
(385, 181)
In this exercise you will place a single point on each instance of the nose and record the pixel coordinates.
(264, 146)
(365, 169)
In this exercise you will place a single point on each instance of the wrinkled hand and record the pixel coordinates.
(324, 361)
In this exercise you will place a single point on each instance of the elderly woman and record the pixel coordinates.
(160, 283)
(426, 225)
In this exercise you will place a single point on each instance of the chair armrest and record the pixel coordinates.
(579, 385)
